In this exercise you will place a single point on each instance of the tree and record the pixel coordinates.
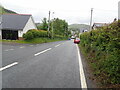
(44, 24)
(60, 27)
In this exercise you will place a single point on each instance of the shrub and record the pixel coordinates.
(34, 34)
(28, 36)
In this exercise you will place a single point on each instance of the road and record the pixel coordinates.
(48, 65)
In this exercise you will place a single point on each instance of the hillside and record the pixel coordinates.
(80, 27)
(4, 10)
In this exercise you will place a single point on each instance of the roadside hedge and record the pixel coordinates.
(34, 34)
(102, 49)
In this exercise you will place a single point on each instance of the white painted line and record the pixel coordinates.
(42, 52)
(22, 47)
(31, 45)
(11, 49)
(82, 75)
(6, 50)
(8, 66)
(57, 45)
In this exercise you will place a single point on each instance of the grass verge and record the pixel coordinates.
(33, 41)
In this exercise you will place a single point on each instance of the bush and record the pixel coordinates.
(28, 36)
(34, 34)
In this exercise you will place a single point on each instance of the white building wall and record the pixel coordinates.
(30, 25)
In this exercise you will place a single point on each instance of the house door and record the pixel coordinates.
(9, 34)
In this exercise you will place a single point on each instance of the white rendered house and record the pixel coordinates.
(13, 26)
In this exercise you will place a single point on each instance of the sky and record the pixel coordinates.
(73, 11)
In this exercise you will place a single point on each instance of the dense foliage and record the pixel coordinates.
(34, 34)
(57, 27)
(31, 34)
(60, 27)
(102, 47)
(43, 25)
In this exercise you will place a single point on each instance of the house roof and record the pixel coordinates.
(100, 24)
(14, 21)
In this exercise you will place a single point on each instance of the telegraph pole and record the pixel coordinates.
(52, 25)
(91, 19)
(49, 25)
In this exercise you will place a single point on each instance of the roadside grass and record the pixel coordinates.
(34, 41)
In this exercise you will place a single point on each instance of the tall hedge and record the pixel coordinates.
(102, 47)
(34, 34)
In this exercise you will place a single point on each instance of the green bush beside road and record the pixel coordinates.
(31, 34)
(102, 49)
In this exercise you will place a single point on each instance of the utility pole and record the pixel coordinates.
(49, 25)
(91, 19)
(52, 25)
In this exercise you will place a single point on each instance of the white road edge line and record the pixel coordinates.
(42, 52)
(57, 45)
(8, 66)
(82, 75)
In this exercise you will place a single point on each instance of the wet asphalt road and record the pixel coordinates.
(49, 65)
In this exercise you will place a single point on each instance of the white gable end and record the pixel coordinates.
(29, 25)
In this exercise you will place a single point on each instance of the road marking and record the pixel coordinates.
(11, 49)
(22, 47)
(8, 66)
(62, 43)
(57, 45)
(8, 49)
(31, 45)
(42, 52)
(82, 75)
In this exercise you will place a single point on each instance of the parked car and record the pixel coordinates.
(72, 37)
(77, 40)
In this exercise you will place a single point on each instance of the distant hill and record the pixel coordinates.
(4, 10)
(78, 27)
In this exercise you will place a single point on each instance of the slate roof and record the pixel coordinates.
(100, 24)
(14, 21)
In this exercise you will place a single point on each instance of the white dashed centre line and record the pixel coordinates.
(8, 66)
(22, 47)
(57, 45)
(31, 45)
(6, 50)
(11, 49)
(42, 52)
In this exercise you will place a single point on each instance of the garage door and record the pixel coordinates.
(9, 34)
